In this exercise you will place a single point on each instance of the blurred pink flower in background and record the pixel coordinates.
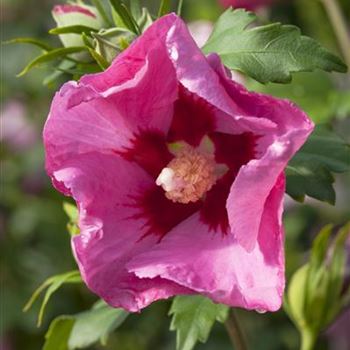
(5, 343)
(247, 4)
(17, 131)
(178, 173)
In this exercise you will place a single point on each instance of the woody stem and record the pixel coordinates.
(235, 332)
(339, 26)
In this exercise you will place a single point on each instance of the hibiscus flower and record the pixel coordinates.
(178, 174)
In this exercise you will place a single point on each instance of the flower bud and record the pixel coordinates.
(318, 291)
(71, 15)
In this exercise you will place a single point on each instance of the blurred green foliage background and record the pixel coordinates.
(34, 243)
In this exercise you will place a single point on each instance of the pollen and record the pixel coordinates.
(188, 176)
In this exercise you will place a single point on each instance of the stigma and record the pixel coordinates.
(188, 176)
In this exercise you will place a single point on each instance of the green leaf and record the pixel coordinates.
(32, 41)
(57, 282)
(76, 29)
(136, 9)
(102, 12)
(52, 284)
(84, 329)
(110, 46)
(114, 32)
(310, 171)
(49, 56)
(314, 92)
(164, 8)
(100, 60)
(95, 325)
(326, 147)
(145, 20)
(50, 79)
(57, 336)
(193, 318)
(267, 53)
(73, 214)
(125, 16)
(87, 40)
(79, 71)
(310, 179)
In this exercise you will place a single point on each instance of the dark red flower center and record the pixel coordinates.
(193, 119)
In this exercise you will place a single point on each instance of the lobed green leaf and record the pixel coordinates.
(193, 318)
(268, 53)
(310, 171)
(314, 180)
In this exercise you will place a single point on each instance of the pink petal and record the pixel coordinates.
(103, 186)
(141, 81)
(84, 117)
(129, 62)
(81, 121)
(195, 72)
(146, 101)
(255, 180)
(217, 266)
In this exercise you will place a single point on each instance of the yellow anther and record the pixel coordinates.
(188, 176)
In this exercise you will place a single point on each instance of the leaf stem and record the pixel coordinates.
(179, 7)
(339, 25)
(235, 332)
